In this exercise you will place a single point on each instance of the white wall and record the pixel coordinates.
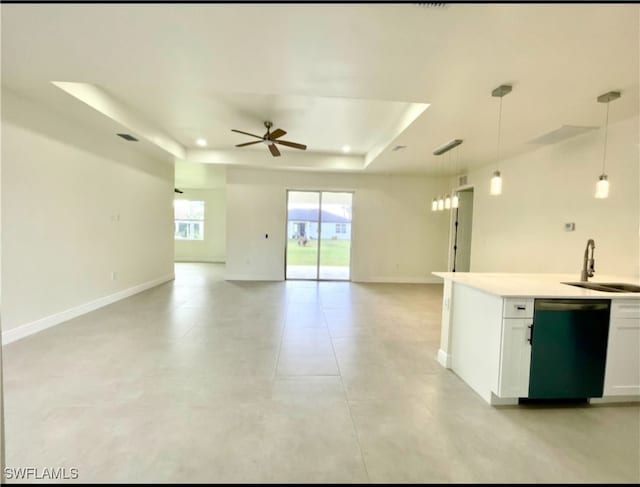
(63, 186)
(523, 229)
(212, 247)
(396, 237)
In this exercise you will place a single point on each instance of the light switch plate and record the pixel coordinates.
(569, 227)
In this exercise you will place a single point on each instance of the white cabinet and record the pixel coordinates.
(515, 358)
(515, 347)
(622, 373)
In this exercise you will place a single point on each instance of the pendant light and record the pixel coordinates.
(455, 201)
(447, 198)
(440, 198)
(602, 186)
(496, 179)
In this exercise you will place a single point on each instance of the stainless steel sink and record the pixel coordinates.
(609, 287)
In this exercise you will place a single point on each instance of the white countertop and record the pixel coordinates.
(537, 285)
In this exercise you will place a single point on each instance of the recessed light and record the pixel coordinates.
(201, 142)
(346, 149)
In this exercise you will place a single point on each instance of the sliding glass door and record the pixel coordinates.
(335, 236)
(318, 235)
(303, 218)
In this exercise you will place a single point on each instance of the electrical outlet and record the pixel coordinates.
(569, 227)
(114, 275)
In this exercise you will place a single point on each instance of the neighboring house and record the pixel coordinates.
(303, 222)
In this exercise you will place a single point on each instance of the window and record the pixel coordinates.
(189, 220)
(341, 228)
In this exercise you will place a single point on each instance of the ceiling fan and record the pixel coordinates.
(270, 139)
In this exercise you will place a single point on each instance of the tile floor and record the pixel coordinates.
(202, 380)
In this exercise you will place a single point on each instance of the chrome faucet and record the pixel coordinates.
(588, 263)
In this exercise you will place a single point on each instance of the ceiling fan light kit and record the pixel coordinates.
(270, 139)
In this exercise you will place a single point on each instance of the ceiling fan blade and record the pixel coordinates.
(246, 133)
(290, 144)
(274, 150)
(249, 143)
(277, 133)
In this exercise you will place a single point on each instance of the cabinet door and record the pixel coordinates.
(622, 373)
(515, 358)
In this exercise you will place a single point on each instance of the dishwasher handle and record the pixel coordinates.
(530, 337)
(571, 304)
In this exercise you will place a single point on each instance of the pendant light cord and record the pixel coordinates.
(450, 155)
(606, 126)
(499, 133)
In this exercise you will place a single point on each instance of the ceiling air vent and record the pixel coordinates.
(431, 5)
(462, 180)
(128, 137)
(563, 133)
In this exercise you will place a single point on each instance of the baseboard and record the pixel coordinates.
(444, 359)
(27, 329)
(503, 401)
(400, 280)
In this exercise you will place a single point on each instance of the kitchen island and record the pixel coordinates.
(488, 328)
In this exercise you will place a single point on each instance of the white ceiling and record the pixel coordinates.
(324, 124)
(335, 74)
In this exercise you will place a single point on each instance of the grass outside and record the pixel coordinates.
(333, 253)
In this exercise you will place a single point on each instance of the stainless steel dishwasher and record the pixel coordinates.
(568, 348)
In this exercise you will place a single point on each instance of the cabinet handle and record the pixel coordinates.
(530, 338)
(521, 307)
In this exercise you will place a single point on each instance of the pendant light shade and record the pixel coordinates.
(455, 201)
(602, 187)
(440, 204)
(434, 204)
(496, 184)
(447, 202)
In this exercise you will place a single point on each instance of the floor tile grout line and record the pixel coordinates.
(344, 389)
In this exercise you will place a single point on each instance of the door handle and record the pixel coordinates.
(530, 338)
